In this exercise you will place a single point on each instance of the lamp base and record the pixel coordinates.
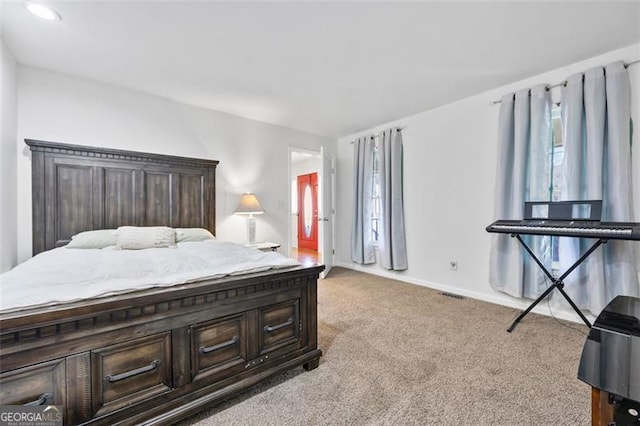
(251, 230)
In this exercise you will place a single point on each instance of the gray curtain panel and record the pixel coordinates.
(596, 119)
(392, 241)
(361, 239)
(538, 186)
(524, 139)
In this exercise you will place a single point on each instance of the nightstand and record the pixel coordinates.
(267, 246)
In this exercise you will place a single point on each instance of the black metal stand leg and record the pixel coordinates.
(575, 308)
(557, 282)
(531, 306)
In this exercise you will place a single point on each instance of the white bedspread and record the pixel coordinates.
(66, 275)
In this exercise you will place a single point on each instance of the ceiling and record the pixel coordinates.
(329, 68)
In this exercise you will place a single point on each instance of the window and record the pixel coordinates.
(375, 195)
(557, 155)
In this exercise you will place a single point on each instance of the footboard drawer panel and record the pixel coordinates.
(279, 326)
(130, 372)
(218, 346)
(40, 384)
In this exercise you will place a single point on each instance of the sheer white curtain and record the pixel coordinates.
(523, 174)
(361, 237)
(392, 241)
(596, 119)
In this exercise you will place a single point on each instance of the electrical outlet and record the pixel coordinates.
(453, 265)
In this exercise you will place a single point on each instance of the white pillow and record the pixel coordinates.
(142, 237)
(193, 234)
(97, 239)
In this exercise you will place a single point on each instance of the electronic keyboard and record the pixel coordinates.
(579, 218)
(569, 228)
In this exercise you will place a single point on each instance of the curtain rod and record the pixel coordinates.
(375, 136)
(562, 83)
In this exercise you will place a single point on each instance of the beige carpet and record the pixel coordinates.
(400, 354)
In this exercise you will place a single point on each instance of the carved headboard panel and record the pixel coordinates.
(78, 188)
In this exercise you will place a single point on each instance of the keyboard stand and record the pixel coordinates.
(558, 283)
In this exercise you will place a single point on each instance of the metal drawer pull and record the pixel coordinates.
(117, 377)
(233, 341)
(44, 399)
(270, 328)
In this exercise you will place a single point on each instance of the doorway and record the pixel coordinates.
(308, 211)
(311, 206)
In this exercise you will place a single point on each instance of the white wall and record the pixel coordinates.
(449, 174)
(8, 155)
(253, 155)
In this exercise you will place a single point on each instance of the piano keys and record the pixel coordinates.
(566, 219)
(568, 228)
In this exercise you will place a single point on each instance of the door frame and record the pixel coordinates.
(321, 197)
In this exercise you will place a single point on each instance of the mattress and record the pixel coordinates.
(66, 275)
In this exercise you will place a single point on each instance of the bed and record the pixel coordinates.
(163, 351)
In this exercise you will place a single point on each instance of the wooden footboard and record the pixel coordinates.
(159, 355)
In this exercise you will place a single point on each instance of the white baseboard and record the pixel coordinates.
(505, 300)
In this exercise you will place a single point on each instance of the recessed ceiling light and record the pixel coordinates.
(42, 11)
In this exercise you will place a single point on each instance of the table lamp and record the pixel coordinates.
(249, 205)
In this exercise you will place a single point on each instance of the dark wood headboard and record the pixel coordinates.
(79, 188)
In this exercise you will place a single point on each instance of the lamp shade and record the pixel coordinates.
(249, 204)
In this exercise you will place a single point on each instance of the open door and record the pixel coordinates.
(308, 211)
(326, 211)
